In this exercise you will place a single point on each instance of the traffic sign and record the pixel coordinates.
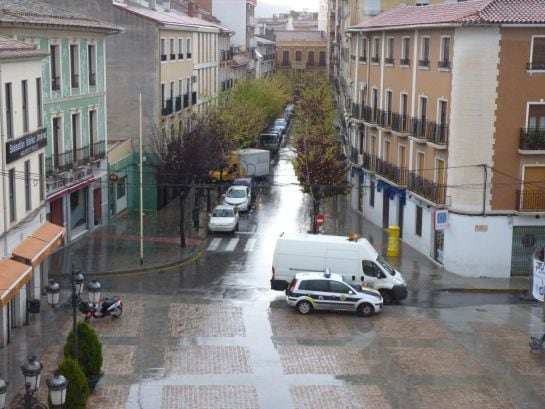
(320, 219)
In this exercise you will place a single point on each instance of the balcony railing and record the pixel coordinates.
(168, 108)
(532, 139)
(298, 65)
(193, 97)
(423, 63)
(178, 103)
(530, 201)
(163, 57)
(82, 155)
(405, 61)
(369, 162)
(401, 123)
(363, 58)
(375, 60)
(98, 150)
(426, 188)
(356, 111)
(385, 119)
(188, 55)
(48, 166)
(422, 129)
(535, 65)
(180, 56)
(186, 101)
(370, 114)
(55, 83)
(389, 61)
(443, 64)
(354, 156)
(63, 161)
(440, 135)
(92, 79)
(392, 172)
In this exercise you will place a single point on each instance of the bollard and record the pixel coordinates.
(393, 241)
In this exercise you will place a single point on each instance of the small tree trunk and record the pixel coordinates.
(182, 220)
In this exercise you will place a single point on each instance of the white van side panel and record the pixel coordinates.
(342, 262)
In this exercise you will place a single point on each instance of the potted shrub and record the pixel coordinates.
(77, 391)
(89, 353)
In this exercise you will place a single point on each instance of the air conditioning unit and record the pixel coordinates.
(193, 79)
(363, 86)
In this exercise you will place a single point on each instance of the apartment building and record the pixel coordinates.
(301, 50)
(447, 130)
(266, 57)
(74, 108)
(26, 238)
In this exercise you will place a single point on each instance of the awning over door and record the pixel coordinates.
(36, 247)
(13, 275)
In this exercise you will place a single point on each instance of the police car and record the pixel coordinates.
(325, 291)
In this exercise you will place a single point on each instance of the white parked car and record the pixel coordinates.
(238, 196)
(223, 218)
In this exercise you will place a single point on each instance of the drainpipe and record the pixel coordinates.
(485, 170)
(4, 195)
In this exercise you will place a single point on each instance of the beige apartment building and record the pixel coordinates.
(301, 50)
(446, 130)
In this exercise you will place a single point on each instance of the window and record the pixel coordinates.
(76, 139)
(424, 52)
(372, 194)
(12, 208)
(57, 138)
(27, 186)
(376, 50)
(388, 108)
(318, 285)
(163, 49)
(24, 100)
(538, 53)
(420, 164)
(92, 65)
(285, 58)
(298, 56)
(337, 287)
(536, 116)
(55, 67)
(180, 48)
(188, 48)
(406, 51)
(444, 57)
(310, 58)
(41, 176)
(363, 49)
(92, 130)
(386, 153)
(442, 126)
(172, 53)
(9, 110)
(39, 101)
(389, 51)
(403, 109)
(322, 58)
(418, 222)
(374, 106)
(74, 66)
(421, 131)
(370, 269)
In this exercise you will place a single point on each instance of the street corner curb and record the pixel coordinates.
(486, 290)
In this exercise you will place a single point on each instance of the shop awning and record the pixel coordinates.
(36, 247)
(13, 275)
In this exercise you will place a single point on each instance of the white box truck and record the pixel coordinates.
(244, 162)
(355, 259)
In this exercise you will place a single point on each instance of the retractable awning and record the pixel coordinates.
(36, 247)
(13, 275)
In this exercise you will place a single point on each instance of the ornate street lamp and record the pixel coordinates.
(3, 391)
(78, 280)
(94, 288)
(53, 290)
(31, 371)
(57, 388)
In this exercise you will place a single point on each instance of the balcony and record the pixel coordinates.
(532, 139)
(430, 131)
(424, 63)
(62, 162)
(180, 56)
(385, 119)
(186, 101)
(370, 115)
(193, 97)
(531, 201)
(375, 60)
(168, 107)
(48, 166)
(369, 162)
(363, 58)
(298, 65)
(74, 81)
(163, 57)
(443, 64)
(356, 111)
(405, 62)
(401, 123)
(172, 56)
(389, 61)
(392, 172)
(535, 66)
(426, 188)
(188, 55)
(98, 150)
(355, 156)
(178, 103)
(82, 156)
(55, 83)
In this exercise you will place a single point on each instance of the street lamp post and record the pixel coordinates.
(32, 371)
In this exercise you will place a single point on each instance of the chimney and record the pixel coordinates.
(166, 5)
(153, 4)
(190, 8)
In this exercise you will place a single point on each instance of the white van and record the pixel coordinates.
(354, 259)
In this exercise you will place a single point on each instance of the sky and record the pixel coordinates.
(265, 8)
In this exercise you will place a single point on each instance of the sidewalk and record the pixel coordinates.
(115, 247)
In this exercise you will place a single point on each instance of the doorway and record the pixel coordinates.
(438, 246)
(97, 206)
(385, 209)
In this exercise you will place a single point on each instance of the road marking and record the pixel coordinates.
(214, 244)
(250, 244)
(231, 245)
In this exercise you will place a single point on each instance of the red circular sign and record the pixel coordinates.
(320, 218)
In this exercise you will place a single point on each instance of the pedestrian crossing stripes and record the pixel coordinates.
(230, 244)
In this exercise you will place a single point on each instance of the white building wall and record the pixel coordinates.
(472, 114)
(232, 14)
(373, 214)
(424, 243)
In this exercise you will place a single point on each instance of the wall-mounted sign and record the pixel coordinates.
(18, 148)
(441, 219)
(539, 274)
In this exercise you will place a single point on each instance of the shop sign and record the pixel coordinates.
(539, 275)
(67, 179)
(441, 219)
(18, 148)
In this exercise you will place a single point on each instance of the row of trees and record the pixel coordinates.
(319, 165)
(234, 121)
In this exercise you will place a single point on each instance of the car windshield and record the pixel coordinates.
(236, 193)
(242, 182)
(223, 213)
(268, 138)
(280, 122)
(384, 264)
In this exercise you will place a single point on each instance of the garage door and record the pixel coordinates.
(526, 239)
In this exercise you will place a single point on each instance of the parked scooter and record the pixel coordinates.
(105, 308)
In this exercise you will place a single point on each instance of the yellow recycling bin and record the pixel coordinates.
(393, 241)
